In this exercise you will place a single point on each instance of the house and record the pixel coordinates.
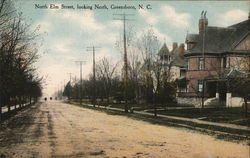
(212, 53)
(175, 63)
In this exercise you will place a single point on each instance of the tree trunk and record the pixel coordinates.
(15, 102)
(155, 110)
(108, 97)
(20, 101)
(9, 102)
(246, 106)
(9, 105)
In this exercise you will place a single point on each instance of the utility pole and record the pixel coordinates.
(61, 89)
(93, 49)
(63, 83)
(70, 86)
(203, 56)
(58, 91)
(124, 19)
(80, 62)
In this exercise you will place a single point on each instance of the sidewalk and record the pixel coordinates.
(5, 108)
(223, 126)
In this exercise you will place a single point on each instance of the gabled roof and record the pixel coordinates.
(164, 50)
(218, 39)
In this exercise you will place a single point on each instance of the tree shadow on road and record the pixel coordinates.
(15, 129)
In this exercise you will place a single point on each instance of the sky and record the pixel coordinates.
(65, 33)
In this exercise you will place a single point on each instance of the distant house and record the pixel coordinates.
(212, 52)
(175, 63)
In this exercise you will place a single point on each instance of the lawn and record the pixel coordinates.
(222, 115)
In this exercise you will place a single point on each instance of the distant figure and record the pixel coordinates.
(50, 98)
(55, 98)
(45, 99)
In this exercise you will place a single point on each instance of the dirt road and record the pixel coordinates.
(54, 129)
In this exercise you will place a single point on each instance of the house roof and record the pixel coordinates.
(164, 50)
(177, 59)
(218, 39)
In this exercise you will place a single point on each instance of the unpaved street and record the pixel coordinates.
(54, 129)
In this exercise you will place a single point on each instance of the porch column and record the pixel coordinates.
(217, 94)
(228, 96)
(229, 99)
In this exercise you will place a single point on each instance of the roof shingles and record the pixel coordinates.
(218, 40)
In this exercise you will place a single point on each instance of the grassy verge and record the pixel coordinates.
(221, 115)
(137, 107)
(234, 115)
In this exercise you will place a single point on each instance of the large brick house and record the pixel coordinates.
(212, 52)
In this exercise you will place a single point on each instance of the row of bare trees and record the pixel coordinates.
(148, 81)
(18, 52)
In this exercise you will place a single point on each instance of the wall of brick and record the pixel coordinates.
(212, 68)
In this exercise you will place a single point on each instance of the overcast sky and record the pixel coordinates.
(66, 33)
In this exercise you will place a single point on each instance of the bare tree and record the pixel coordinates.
(135, 74)
(106, 71)
(148, 45)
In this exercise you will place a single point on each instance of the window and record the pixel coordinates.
(200, 86)
(224, 62)
(201, 64)
(182, 72)
(161, 58)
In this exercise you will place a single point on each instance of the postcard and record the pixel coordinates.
(124, 78)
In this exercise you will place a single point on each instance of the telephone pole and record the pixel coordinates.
(70, 86)
(80, 62)
(203, 56)
(124, 19)
(93, 49)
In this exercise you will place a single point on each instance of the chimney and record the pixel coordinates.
(175, 45)
(203, 22)
(181, 51)
(248, 15)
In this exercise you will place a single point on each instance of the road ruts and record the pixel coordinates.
(54, 129)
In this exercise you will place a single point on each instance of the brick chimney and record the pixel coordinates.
(181, 50)
(203, 22)
(175, 45)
